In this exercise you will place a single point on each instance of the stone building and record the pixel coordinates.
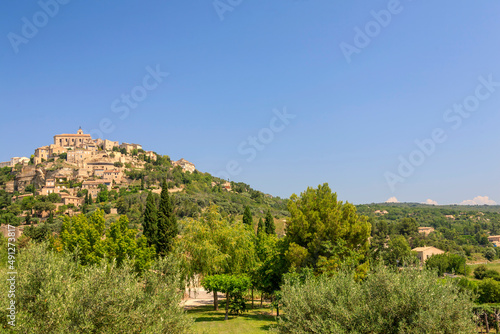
(49, 188)
(14, 161)
(425, 230)
(92, 186)
(72, 140)
(113, 174)
(108, 145)
(79, 155)
(151, 155)
(68, 199)
(41, 154)
(185, 165)
(55, 150)
(130, 147)
(423, 253)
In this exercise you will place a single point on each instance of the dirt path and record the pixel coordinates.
(199, 297)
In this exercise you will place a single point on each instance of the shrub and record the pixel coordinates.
(480, 271)
(55, 295)
(387, 301)
(489, 291)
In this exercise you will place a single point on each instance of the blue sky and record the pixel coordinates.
(232, 68)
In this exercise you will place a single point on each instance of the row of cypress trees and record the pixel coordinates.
(160, 223)
(266, 226)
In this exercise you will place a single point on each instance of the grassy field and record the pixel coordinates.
(254, 321)
(494, 266)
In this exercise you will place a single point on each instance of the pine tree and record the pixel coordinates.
(260, 227)
(247, 217)
(142, 182)
(270, 228)
(86, 198)
(167, 223)
(150, 220)
(90, 199)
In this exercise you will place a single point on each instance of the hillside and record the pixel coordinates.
(66, 180)
(464, 230)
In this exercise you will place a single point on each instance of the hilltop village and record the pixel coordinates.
(76, 162)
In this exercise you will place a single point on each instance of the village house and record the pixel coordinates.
(493, 238)
(79, 155)
(98, 167)
(423, 253)
(151, 155)
(113, 174)
(41, 154)
(425, 230)
(108, 145)
(68, 199)
(92, 186)
(49, 188)
(55, 150)
(14, 161)
(185, 165)
(129, 147)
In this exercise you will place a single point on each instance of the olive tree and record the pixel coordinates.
(387, 301)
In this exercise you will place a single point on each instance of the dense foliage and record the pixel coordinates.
(387, 301)
(325, 233)
(56, 295)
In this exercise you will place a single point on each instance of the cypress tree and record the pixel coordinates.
(247, 217)
(50, 220)
(167, 223)
(270, 228)
(150, 220)
(260, 227)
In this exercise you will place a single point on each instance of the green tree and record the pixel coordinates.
(247, 217)
(270, 228)
(480, 271)
(447, 263)
(150, 220)
(232, 285)
(50, 220)
(489, 291)
(398, 251)
(167, 223)
(324, 233)
(388, 301)
(260, 228)
(56, 295)
(88, 238)
(408, 227)
(212, 245)
(103, 194)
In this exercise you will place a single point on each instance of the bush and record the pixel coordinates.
(480, 271)
(447, 263)
(489, 291)
(54, 295)
(410, 301)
